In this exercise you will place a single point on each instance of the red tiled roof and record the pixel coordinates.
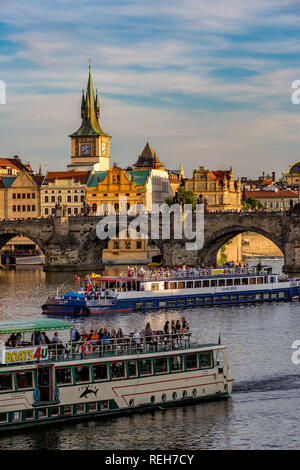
(275, 194)
(81, 176)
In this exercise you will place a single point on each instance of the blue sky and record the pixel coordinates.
(207, 83)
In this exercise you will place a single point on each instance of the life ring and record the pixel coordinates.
(107, 293)
(37, 394)
(87, 348)
(56, 394)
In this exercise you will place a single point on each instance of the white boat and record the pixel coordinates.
(64, 382)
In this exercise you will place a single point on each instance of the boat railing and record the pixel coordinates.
(200, 273)
(127, 345)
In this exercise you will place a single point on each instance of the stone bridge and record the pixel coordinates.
(72, 243)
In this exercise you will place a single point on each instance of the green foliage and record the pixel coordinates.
(183, 196)
(252, 203)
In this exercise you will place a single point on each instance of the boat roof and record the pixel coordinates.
(34, 324)
(111, 278)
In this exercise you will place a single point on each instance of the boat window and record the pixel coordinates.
(181, 285)
(229, 282)
(100, 372)
(149, 304)
(162, 303)
(242, 297)
(252, 280)
(266, 295)
(63, 375)
(197, 283)
(145, 366)
(166, 284)
(274, 295)
(161, 365)
(117, 370)
(6, 382)
(80, 408)
(207, 300)
(217, 299)
(67, 409)
(250, 296)
(29, 414)
(260, 280)
(154, 286)
(213, 283)
(281, 294)
(176, 363)
(237, 282)
(191, 361)
(205, 359)
(171, 302)
(258, 296)
(42, 413)
(206, 283)
(189, 284)
(225, 298)
(24, 379)
(233, 297)
(104, 405)
(221, 282)
(54, 410)
(82, 374)
(190, 301)
(244, 281)
(181, 301)
(3, 417)
(93, 406)
(198, 300)
(132, 369)
(172, 285)
(16, 415)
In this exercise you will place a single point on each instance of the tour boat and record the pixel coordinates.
(65, 381)
(172, 289)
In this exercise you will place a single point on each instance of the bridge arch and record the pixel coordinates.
(8, 234)
(208, 254)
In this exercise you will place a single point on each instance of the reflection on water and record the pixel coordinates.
(266, 389)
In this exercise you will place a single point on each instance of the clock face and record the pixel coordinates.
(103, 149)
(85, 149)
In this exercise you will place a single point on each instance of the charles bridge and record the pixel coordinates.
(72, 243)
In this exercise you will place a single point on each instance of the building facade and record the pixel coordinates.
(19, 196)
(217, 189)
(65, 189)
(277, 200)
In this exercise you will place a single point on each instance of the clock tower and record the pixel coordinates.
(90, 145)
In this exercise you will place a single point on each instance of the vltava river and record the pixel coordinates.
(264, 408)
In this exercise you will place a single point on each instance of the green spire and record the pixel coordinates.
(90, 111)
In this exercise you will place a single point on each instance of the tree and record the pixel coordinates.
(183, 196)
(252, 203)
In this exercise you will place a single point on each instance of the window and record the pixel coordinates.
(23, 208)
(252, 280)
(181, 285)
(63, 375)
(42, 413)
(93, 406)
(245, 281)
(24, 379)
(116, 245)
(69, 199)
(213, 283)
(117, 370)
(75, 198)
(205, 359)
(23, 196)
(82, 374)
(53, 199)
(29, 414)
(104, 405)
(206, 283)
(161, 365)
(33, 195)
(229, 282)
(172, 285)
(100, 372)
(237, 282)
(67, 409)
(33, 208)
(176, 363)
(6, 382)
(54, 410)
(132, 370)
(14, 196)
(260, 280)
(80, 408)
(3, 417)
(16, 416)
(145, 366)
(221, 282)
(138, 245)
(14, 208)
(197, 283)
(28, 208)
(191, 361)
(154, 286)
(28, 195)
(189, 284)
(162, 303)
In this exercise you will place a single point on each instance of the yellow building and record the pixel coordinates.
(103, 193)
(19, 196)
(293, 175)
(217, 189)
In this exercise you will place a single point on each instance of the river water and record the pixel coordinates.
(263, 410)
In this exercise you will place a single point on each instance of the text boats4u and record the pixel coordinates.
(99, 294)
(66, 381)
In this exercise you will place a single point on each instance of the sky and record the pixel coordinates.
(206, 83)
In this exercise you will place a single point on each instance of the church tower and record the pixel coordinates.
(90, 145)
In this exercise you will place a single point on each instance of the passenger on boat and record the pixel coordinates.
(137, 338)
(84, 336)
(94, 337)
(185, 325)
(56, 344)
(45, 338)
(105, 340)
(120, 333)
(13, 339)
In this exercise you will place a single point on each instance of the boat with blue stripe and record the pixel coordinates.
(173, 289)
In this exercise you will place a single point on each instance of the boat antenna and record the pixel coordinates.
(219, 341)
